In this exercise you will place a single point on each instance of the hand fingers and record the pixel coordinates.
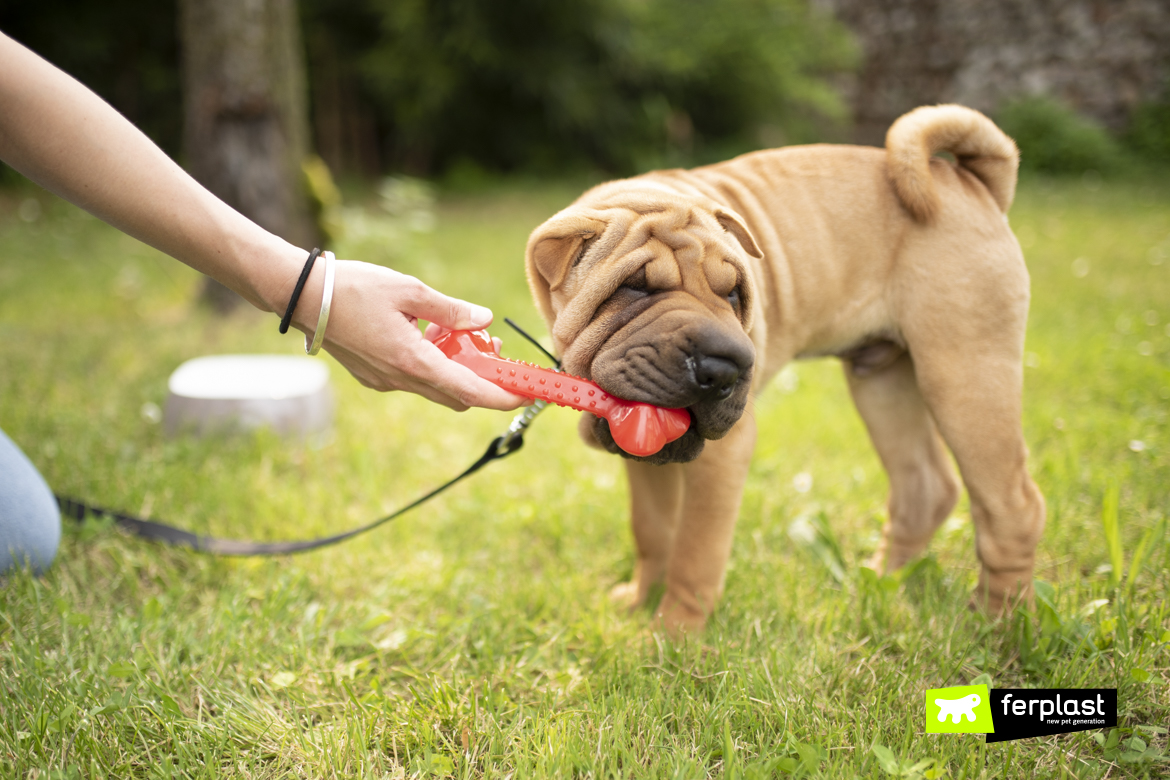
(452, 313)
(434, 331)
(464, 384)
(376, 379)
(432, 375)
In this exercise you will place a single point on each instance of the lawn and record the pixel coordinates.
(473, 637)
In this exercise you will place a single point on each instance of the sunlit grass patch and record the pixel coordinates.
(473, 637)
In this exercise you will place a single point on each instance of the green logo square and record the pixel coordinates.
(963, 709)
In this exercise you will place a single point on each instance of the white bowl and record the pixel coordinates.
(226, 393)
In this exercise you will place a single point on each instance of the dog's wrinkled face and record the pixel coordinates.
(651, 298)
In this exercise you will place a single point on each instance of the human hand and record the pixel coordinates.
(373, 332)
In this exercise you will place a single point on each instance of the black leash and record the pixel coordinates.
(501, 447)
(533, 342)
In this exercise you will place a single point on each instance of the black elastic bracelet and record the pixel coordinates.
(296, 296)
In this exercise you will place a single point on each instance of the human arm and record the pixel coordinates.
(64, 137)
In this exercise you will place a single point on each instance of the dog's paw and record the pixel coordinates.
(877, 561)
(892, 555)
(1000, 593)
(677, 620)
(625, 595)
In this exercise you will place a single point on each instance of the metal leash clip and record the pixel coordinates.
(520, 423)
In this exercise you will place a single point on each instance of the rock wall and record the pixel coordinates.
(1102, 57)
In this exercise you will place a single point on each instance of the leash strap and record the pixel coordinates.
(501, 447)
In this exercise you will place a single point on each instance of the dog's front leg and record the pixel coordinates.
(656, 499)
(712, 490)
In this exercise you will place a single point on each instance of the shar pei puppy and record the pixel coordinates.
(692, 288)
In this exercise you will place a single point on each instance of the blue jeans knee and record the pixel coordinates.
(30, 522)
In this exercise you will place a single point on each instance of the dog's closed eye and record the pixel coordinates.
(637, 281)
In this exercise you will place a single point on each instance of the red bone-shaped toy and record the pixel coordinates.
(639, 429)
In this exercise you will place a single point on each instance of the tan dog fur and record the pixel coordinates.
(897, 261)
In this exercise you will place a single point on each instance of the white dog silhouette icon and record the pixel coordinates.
(958, 708)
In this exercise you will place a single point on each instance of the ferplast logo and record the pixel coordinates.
(1039, 712)
(1010, 714)
(1089, 707)
(963, 709)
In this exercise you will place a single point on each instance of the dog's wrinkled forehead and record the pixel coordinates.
(676, 250)
(579, 258)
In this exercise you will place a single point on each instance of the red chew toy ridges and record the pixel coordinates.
(638, 428)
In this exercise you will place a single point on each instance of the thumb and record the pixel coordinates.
(449, 312)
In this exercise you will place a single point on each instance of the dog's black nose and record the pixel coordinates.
(716, 376)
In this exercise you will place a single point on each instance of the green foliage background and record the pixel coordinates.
(620, 84)
(1054, 139)
(125, 50)
(468, 89)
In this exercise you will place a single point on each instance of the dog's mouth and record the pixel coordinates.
(711, 419)
(681, 450)
(678, 356)
(713, 408)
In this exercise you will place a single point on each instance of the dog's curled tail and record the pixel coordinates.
(977, 144)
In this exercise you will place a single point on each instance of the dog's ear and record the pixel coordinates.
(555, 246)
(734, 225)
(553, 249)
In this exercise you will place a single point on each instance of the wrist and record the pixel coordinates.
(302, 278)
(306, 309)
(278, 279)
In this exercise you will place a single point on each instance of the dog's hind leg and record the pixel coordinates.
(656, 498)
(967, 340)
(923, 486)
(976, 400)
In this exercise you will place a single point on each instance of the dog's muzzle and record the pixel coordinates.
(705, 371)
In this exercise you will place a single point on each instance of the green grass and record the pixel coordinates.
(473, 637)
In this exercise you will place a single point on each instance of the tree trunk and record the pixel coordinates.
(245, 129)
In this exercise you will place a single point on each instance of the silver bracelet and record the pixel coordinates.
(326, 299)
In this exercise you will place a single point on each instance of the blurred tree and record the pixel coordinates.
(621, 84)
(427, 85)
(245, 132)
(348, 122)
(124, 50)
